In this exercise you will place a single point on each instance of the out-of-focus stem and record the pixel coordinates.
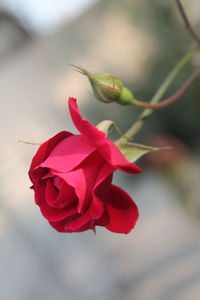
(177, 95)
(157, 96)
(187, 23)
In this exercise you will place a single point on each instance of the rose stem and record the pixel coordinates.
(157, 96)
(189, 81)
(177, 95)
(187, 23)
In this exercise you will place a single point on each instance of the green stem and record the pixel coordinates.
(157, 96)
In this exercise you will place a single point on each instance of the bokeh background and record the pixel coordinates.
(139, 41)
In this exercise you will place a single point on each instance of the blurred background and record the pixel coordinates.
(138, 41)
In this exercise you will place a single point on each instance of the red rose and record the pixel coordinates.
(72, 175)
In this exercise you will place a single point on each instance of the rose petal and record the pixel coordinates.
(91, 168)
(55, 214)
(39, 192)
(60, 225)
(44, 150)
(121, 212)
(103, 181)
(78, 222)
(47, 175)
(72, 150)
(87, 226)
(57, 181)
(97, 138)
(51, 193)
(94, 212)
(66, 196)
(102, 187)
(85, 178)
(77, 180)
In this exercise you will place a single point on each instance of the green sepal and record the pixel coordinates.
(107, 125)
(126, 97)
(134, 151)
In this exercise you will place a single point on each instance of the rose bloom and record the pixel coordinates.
(72, 175)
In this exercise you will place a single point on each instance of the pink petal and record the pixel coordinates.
(94, 212)
(103, 181)
(102, 186)
(55, 214)
(87, 226)
(47, 175)
(78, 222)
(57, 181)
(77, 180)
(51, 193)
(66, 196)
(85, 178)
(44, 150)
(60, 226)
(39, 191)
(68, 154)
(91, 168)
(121, 212)
(97, 138)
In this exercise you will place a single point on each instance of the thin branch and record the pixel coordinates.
(178, 94)
(132, 131)
(187, 23)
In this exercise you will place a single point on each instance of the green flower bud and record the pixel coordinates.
(108, 88)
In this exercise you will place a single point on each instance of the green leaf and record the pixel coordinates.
(134, 151)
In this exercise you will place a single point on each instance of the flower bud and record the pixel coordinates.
(108, 88)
